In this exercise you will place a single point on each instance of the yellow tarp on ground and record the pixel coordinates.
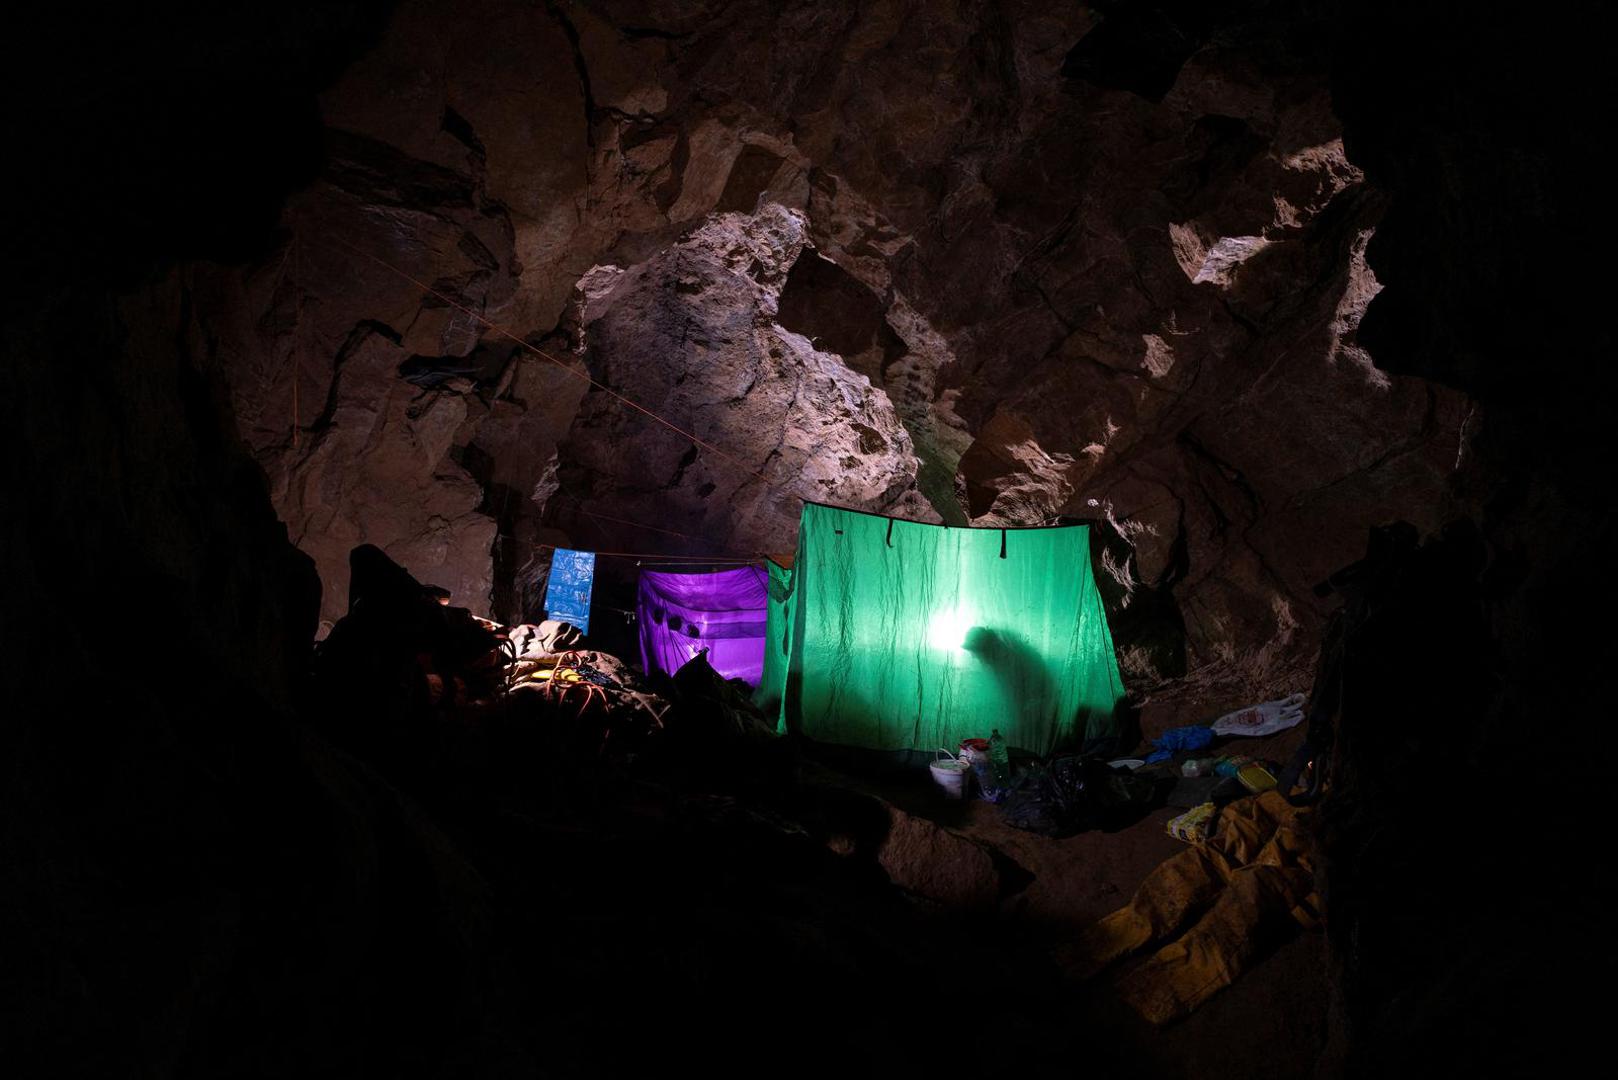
(1222, 902)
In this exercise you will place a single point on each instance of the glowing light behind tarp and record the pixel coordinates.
(948, 627)
(680, 614)
(899, 635)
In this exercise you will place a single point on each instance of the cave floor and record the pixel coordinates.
(784, 881)
(1274, 1019)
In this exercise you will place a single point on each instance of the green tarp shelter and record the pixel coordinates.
(898, 635)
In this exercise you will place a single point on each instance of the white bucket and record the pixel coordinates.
(950, 775)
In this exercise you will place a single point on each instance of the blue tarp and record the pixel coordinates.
(567, 595)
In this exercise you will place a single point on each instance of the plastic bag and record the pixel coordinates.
(1264, 719)
(1075, 793)
(1193, 825)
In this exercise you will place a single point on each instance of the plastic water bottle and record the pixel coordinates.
(999, 760)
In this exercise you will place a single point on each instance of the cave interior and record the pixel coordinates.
(1293, 304)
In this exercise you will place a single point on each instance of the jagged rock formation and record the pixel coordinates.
(694, 329)
(1081, 291)
(195, 885)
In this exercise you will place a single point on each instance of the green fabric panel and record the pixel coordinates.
(777, 645)
(898, 635)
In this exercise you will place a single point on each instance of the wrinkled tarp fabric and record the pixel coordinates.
(1219, 905)
(724, 612)
(899, 635)
(567, 593)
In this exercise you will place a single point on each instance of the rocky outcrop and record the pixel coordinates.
(695, 330)
(940, 864)
(1072, 293)
(350, 383)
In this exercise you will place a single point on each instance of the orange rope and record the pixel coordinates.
(559, 363)
(692, 559)
(641, 525)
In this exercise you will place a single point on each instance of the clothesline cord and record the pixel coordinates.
(579, 505)
(650, 556)
(640, 525)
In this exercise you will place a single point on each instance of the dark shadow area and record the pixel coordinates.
(1474, 654)
(1139, 47)
(839, 313)
(1021, 673)
(1142, 615)
(750, 176)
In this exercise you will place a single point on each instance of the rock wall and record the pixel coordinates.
(1485, 256)
(694, 328)
(1074, 289)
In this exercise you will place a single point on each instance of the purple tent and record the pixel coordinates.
(724, 612)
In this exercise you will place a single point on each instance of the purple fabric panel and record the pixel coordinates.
(726, 610)
(744, 589)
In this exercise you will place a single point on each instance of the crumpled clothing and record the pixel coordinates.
(1218, 905)
(534, 642)
(1193, 737)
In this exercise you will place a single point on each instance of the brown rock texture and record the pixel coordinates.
(941, 864)
(977, 262)
(694, 329)
(1075, 250)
